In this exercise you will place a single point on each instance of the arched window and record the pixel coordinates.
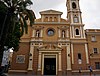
(50, 18)
(46, 19)
(77, 31)
(55, 18)
(74, 5)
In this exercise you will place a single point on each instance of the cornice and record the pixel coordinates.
(53, 23)
(77, 24)
(93, 33)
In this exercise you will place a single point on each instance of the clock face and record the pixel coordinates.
(50, 32)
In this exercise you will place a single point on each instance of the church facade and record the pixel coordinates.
(57, 46)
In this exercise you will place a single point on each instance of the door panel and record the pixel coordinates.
(49, 66)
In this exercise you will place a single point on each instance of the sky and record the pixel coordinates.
(90, 10)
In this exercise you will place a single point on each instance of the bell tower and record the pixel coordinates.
(75, 19)
(77, 34)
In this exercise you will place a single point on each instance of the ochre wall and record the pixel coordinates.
(23, 50)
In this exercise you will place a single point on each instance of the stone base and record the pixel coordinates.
(30, 72)
(39, 73)
(69, 73)
(59, 73)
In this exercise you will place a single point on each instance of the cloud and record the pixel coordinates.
(40, 5)
(91, 13)
(90, 10)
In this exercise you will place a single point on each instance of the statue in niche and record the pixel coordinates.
(63, 33)
(37, 33)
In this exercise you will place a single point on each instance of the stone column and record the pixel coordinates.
(33, 33)
(70, 31)
(67, 34)
(41, 33)
(86, 51)
(84, 34)
(60, 65)
(31, 58)
(58, 18)
(81, 32)
(73, 31)
(39, 62)
(60, 62)
(72, 53)
(68, 58)
(68, 61)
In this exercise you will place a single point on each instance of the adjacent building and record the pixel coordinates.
(57, 46)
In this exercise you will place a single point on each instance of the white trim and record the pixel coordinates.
(83, 33)
(30, 64)
(39, 62)
(79, 32)
(70, 31)
(43, 56)
(86, 51)
(42, 64)
(33, 33)
(68, 58)
(60, 62)
(72, 53)
(58, 18)
(17, 70)
(41, 33)
(73, 31)
(67, 34)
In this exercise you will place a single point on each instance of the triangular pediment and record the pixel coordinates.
(51, 12)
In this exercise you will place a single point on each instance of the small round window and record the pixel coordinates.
(50, 32)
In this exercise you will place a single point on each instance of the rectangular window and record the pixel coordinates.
(93, 38)
(79, 56)
(77, 32)
(95, 50)
(79, 59)
(97, 65)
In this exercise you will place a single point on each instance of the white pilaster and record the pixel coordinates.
(33, 33)
(70, 32)
(31, 57)
(68, 58)
(86, 51)
(59, 33)
(39, 62)
(41, 33)
(67, 34)
(84, 33)
(72, 53)
(60, 61)
(58, 18)
(73, 31)
(48, 18)
(42, 18)
(81, 32)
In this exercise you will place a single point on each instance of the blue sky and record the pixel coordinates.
(90, 10)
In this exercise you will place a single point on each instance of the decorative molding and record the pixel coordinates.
(53, 23)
